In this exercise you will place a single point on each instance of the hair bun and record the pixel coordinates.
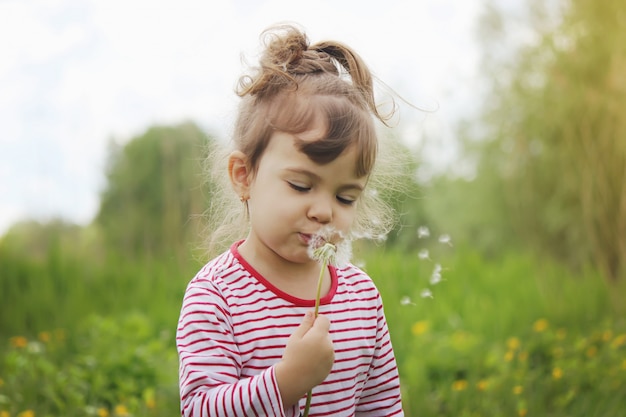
(284, 47)
(288, 58)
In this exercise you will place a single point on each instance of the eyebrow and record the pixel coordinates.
(352, 185)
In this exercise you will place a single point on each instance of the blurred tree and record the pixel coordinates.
(154, 188)
(34, 240)
(556, 130)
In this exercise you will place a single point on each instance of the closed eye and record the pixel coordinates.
(345, 201)
(298, 188)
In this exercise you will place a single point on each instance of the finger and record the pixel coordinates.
(321, 324)
(305, 326)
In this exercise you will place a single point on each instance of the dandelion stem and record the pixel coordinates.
(309, 395)
(319, 287)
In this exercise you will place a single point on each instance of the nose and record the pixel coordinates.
(321, 210)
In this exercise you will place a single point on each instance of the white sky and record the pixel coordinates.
(76, 73)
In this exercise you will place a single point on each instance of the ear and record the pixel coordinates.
(240, 174)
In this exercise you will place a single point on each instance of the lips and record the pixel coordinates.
(305, 237)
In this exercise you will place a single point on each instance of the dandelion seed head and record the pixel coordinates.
(325, 252)
(343, 255)
(330, 246)
(422, 232)
(423, 254)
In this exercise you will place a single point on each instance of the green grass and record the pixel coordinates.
(513, 336)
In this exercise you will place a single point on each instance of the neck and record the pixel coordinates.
(296, 279)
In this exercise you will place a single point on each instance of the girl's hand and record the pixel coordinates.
(307, 360)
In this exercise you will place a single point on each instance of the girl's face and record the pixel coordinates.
(292, 197)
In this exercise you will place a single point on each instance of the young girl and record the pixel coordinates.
(304, 148)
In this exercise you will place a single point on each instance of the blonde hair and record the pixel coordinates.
(296, 84)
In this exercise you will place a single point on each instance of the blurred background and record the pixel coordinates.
(504, 281)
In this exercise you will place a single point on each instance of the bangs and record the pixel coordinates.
(345, 124)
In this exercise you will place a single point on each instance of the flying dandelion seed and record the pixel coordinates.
(422, 232)
(435, 277)
(423, 254)
(426, 293)
(445, 239)
(406, 301)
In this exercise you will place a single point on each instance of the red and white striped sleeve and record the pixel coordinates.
(381, 393)
(210, 364)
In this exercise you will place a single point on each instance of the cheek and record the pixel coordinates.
(345, 218)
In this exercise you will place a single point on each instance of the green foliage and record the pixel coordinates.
(155, 191)
(555, 132)
(473, 211)
(506, 336)
(87, 315)
(106, 366)
(61, 283)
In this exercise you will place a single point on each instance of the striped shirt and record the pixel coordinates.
(233, 329)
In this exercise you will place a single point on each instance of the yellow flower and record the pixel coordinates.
(103, 412)
(150, 403)
(513, 343)
(121, 410)
(540, 325)
(509, 355)
(4, 414)
(522, 412)
(420, 327)
(44, 337)
(557, 373)
(18, 341)
(26, 413)
(591, 351)
(618, 341)
(518, 389)
(482, 385)
(459, 385)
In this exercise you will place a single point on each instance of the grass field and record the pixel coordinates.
(513, 336)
